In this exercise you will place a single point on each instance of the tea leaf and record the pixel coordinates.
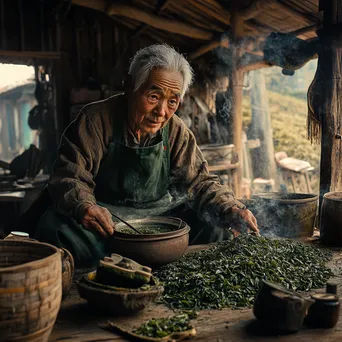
(230, 274)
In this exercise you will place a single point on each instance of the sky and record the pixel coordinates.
(12, 73)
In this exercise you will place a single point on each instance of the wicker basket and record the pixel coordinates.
(30, 290)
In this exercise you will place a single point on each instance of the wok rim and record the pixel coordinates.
(152, 237)
(327, 195)
(265, 197)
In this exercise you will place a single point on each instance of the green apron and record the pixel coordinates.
(135, 177)
(131, 179)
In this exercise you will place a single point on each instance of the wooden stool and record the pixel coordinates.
(295, 172)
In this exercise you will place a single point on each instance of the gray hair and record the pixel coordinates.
(159, 56)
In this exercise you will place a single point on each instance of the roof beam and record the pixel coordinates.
(284, 8)
(305, 30)
(143, 27)
(258, 6)
(157, 22)
(209, 47)
(258, 64)
(31, 54)
(147, 18)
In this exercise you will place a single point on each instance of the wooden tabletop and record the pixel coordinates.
(77, 322)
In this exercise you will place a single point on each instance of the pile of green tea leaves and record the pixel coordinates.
(162, 327)
(230, 274)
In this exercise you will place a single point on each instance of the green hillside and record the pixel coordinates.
(289, 115)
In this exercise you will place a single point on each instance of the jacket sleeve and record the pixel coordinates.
(189, 172)
(71, 185)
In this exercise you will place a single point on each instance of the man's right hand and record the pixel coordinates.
(98, 220)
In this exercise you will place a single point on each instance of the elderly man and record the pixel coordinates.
(131, 154)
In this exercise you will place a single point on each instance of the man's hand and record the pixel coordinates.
(242, 220)
(98, 220)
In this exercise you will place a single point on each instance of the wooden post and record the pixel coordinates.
(3, 33)
(237, 82)
(261, 128)
(329, 74)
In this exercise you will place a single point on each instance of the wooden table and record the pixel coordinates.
(76, 322)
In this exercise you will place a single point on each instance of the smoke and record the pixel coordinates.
(278, 219)
(224, 107)
(289, 52)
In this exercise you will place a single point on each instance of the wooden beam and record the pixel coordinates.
(260, 130)
(194, 16)
(157, 22)
(143, 27)
(99, 5)
(259, 64)
(329, 106)
(220, 14)
(22, 27)
(150, 19)
(3, 26)
(237, 25)
(208, 47)
(163, 6)
(31, 54)
(306, 29)
(256, 7)
(247, 45)
(291, 12)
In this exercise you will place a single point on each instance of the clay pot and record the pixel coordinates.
(289, 215)
(152, 250)
(68, 268)
(279, 309)
(325, 312)
(331, 219)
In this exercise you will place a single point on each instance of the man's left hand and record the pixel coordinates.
(243, 219)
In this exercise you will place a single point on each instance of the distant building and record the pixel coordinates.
(16, 101)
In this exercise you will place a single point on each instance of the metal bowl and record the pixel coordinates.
(153, 250)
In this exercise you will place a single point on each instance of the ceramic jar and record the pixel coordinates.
(325, 312)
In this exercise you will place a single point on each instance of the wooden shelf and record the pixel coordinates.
(223, 167)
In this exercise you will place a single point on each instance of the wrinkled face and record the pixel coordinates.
(156, 101)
